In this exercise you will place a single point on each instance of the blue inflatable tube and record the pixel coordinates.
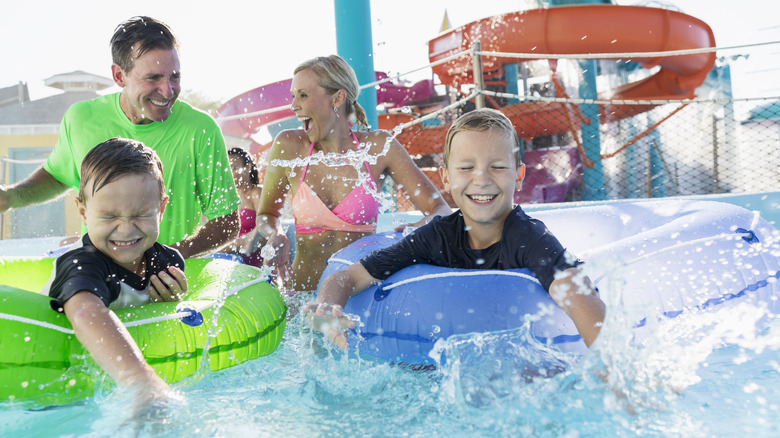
(656, 259)
(405, 315)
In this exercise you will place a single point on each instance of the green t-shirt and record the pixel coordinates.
(190, 145)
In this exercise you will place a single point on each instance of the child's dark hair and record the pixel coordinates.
(247, 161)
(144, 32)
(116, 158)
(482, 120)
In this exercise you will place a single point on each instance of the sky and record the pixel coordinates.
(229, 47)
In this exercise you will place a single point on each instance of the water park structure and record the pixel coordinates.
(662, 55)
(667, 376)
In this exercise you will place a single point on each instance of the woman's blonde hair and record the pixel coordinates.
(335, 74)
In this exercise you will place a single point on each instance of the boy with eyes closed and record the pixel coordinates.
(119, 262)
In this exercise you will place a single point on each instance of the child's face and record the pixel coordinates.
(481, 176)
(241, 173)
(123, 218)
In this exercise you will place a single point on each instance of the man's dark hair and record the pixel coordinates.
(142, 34)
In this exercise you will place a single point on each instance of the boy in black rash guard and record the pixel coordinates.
(121, 200)
(482, 169)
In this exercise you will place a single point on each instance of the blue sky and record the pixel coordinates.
(232, 46)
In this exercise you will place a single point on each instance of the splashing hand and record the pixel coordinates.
(405, 228)
(153, 405)
(276, 256)
(331, 321)
(409, 228)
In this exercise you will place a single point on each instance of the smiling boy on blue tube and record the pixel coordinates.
(482, 170)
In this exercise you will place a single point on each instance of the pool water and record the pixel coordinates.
(684, 380)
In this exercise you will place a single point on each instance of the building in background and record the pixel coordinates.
(28, 132)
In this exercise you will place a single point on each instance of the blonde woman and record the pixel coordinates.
(334, 201)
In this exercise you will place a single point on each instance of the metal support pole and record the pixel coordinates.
(510, 76)
(593, 178)
(354, 44)
(524, 73)
(479, 81)
(657, 169)
(591, 136)
(715, 176)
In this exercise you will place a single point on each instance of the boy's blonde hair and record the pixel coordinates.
(482, 120)
(115, 158)
(335, 74)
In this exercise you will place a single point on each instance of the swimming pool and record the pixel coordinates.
(683, 381)
(304, 391)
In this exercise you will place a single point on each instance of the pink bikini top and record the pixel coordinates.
(248, 218)
(357, 212)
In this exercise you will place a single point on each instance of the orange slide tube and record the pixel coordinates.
(586, 29)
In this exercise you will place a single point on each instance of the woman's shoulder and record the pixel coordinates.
(378, 139)
(374, 134)
(290, 143)
(292, 136)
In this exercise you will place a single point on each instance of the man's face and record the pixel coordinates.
(151, 87)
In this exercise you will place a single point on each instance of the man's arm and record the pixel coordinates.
(212, 236)
(37, 188)
(326, 315)
(573, 292)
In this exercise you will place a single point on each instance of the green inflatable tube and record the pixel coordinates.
(231, 314)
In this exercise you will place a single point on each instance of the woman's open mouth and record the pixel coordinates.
(306, 121)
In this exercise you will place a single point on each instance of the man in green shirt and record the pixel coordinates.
(189, 142)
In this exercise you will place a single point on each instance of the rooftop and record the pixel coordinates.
(14, 94)
(16, 108)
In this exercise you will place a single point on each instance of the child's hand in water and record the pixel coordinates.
(331, 321)
(168, 285)
(153, 406)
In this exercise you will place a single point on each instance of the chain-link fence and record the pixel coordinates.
(640, 150)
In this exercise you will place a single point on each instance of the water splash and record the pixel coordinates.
(300, 389)
(353, 158)
(481, 369)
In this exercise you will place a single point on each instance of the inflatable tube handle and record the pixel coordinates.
(747, 235)
(193, 318)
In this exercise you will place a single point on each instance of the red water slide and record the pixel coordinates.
(587, 29)
(559, 30)
(581, 29)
